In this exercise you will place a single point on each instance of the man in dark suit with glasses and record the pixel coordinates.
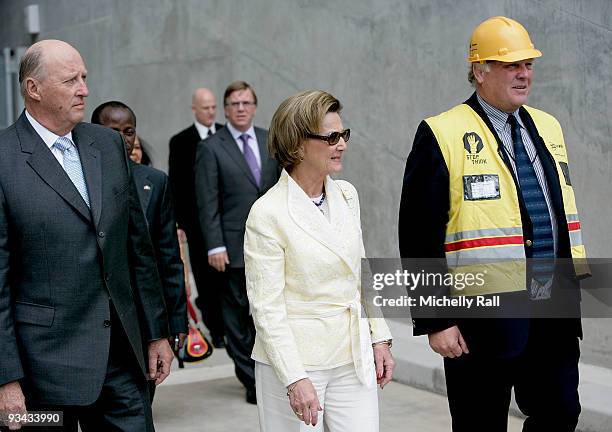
(233, 169)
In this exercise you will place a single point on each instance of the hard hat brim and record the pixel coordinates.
(511, 57)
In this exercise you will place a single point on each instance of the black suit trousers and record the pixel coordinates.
(210, 286)
(544, 377)
(239, 326)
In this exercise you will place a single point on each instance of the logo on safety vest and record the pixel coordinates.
(473, 145)
(472, 142)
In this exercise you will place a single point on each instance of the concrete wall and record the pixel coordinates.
(391, 63)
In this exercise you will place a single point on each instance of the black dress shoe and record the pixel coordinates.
(218, 341)
(251, 396)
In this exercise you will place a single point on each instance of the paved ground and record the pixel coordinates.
(207, 397)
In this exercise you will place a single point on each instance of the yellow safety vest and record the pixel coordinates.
(485, 218)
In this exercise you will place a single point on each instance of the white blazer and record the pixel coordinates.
(303, 282)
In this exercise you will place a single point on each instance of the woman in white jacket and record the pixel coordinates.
(303, 250)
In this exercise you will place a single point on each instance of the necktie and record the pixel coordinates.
(209, 133)
(72, 166)
(251, 160)
(535, 203)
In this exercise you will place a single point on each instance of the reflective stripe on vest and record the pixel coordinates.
(573, 226)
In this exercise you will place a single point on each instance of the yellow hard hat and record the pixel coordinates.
(501, 39)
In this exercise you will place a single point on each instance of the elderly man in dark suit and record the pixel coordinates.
(233, 169)
(156, 201)
(82, 318)
(180, 170)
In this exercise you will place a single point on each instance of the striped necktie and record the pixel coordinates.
(535, 203)
(72, 166)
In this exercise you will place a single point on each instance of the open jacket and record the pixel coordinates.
(425, 205)
(303, 282)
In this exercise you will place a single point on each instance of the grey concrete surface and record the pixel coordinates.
(391, 62)
(200, 398)
(206, 395)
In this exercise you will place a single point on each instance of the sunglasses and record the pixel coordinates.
(236, 105)
(333, 138)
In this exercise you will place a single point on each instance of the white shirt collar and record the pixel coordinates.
(236, 133)
(203, 130)
(498, 117)
(47, 136)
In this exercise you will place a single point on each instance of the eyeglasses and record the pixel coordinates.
(236, 105)
(333, 138)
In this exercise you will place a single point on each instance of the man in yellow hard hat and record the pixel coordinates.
(490, 180)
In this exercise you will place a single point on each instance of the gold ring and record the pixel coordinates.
(297, 413)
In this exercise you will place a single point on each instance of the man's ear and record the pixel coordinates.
(478, 73)
(32, 87)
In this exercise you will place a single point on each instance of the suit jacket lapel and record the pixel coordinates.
(263, 151)
(145, 189)
(308, 217)
(48, 168)
(92, 170)
(195, 135)
(229, 145)
(341, 218)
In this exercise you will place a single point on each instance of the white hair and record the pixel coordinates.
(483, 67)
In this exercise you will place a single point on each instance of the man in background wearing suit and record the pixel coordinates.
(156, 201)
(181, 172)
(82, 318)
(233, 169)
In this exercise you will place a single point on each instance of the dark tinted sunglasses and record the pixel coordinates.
(334, 137)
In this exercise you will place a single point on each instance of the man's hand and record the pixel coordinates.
(12, 401)
(218, 261)
(160, 359)
(448, 343)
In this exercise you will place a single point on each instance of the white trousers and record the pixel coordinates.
(347, 404)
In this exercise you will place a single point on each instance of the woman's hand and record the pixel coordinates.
(304, 401)
(383, 359)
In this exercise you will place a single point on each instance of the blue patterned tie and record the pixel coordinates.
(535, 203)
(72, 166)
(251, 160)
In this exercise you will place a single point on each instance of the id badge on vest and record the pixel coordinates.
(481, 187)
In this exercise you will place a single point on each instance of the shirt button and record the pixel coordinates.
(106, 277)
(528, 243)
(107, 323)
(101, 234)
